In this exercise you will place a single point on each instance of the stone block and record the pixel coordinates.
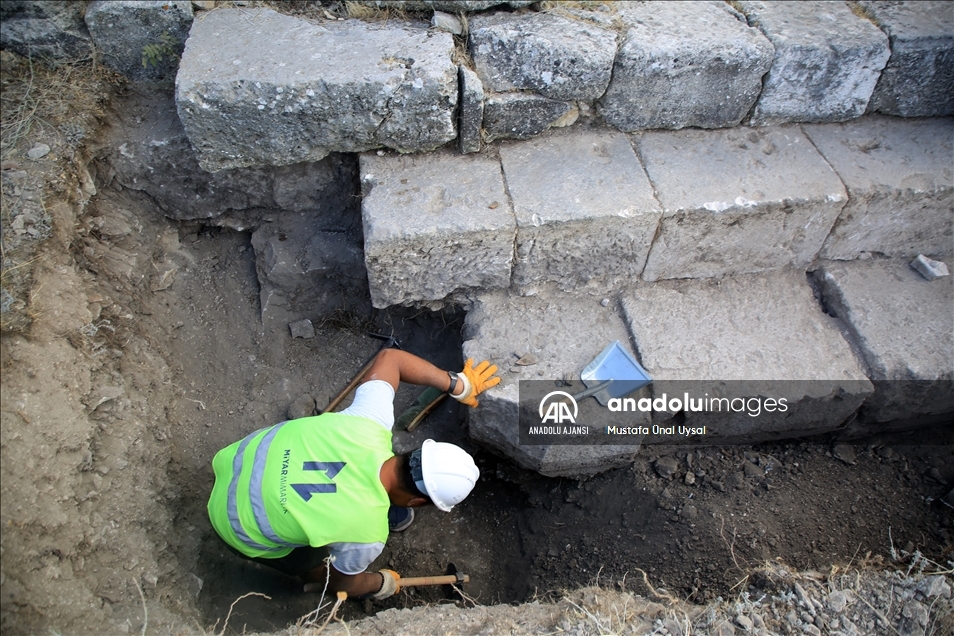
(919, 75)
(564, 333)
(44, 29)
(900, 183)
(142, 39)
(585, 209)
(930, 268)
(757, 199)
(471, 110)
(827, 61)
(684, 64)
(434, 225)
(904, 328)
(520, 115)
(351, 86)
(762, 334)
(158, 159)
(554, 56)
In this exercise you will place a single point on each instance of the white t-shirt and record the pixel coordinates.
(373, 400)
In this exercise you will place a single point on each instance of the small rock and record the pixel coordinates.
(447, 22)
(690, 478)
(936, 475)
(744, 622)
(666, 467)
(527, 360)
(935, 586)
(302, 329)
(689, 511)
(605, 302)
(751, 470)
(837, 601)
(844, 452)
(38, 151)
(927, 267)
(885, 452)
(304, 406)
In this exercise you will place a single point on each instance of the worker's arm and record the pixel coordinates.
(395, 366)
(356, 585)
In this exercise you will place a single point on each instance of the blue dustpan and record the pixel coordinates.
(613, 374)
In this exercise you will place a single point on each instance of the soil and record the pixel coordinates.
(142, 352)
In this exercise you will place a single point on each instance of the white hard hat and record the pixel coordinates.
(449, 473)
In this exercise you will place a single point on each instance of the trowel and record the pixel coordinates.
(612, 374)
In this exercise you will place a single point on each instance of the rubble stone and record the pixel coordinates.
(555, 56)
(758, 199)
(827, 61)
(520, 115)
(920, 72)
(900, 186)
(45, 29)
(584, 207)
(434, 224)
(565, 334)
(142, 39)
(904, 328)
(471, 110)
(758, 334)
(684, 64)
(929, 268)
(351, 86)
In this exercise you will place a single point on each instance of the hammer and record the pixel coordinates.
(453, 577)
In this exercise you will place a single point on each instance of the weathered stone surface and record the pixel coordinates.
(757, 199)
(306, 272)
(520, 115)
(350, 86)
(684, 64)
(585, 209)
(827, 61)
(763, 334)
(44, 29)
(900, 182)
(930, 268)
(149, 151)
(471, 110)
(434, 225)
(447, 22)
(557, 57)
(454, 6)
(565, 333)
(904, 327)
(919, 75)
(142, 39)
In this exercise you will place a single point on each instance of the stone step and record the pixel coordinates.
(593, 208)
(764, 334)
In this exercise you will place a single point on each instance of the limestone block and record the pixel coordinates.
(584, 206)
(900, 183)
(930, 268)
(555, 56)
(471, 110)
(904, 327)
(739, 200)
(45, 29)
(759, 334)
(564, 333)
(350, 86)
(827, 61)
(434, 225)
(142, 39)
(303, 271)
(520, 115)
(919, 75)
(158, 160)
(684, 64)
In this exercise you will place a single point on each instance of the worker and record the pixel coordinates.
(324, 491)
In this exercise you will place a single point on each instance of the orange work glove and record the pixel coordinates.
(476, 380)
(389, 585)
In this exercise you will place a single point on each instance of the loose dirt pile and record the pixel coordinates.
(133, 350)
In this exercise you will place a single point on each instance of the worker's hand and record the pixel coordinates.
(389, 586)
(477, 380)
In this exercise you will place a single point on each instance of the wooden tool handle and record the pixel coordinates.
(447, 579)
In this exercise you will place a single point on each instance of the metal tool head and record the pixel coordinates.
(389, 341)
(453, 591)
(616, 372)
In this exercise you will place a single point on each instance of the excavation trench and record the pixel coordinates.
(183, 299)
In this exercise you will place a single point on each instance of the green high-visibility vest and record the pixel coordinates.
(311, 481)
